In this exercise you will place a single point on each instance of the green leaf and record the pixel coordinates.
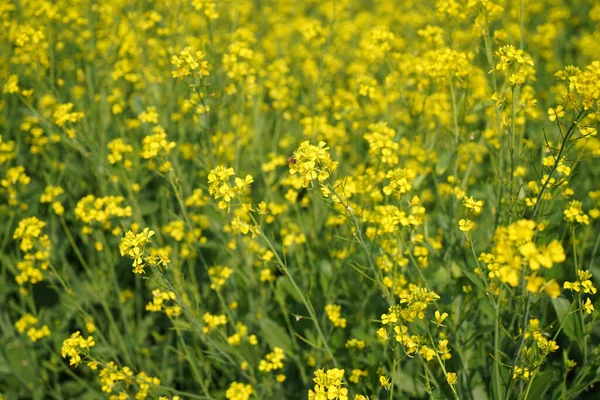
(275, 335)
(406, 383)
(284, 285)
(472, 277)
(149, 207)
(541, 384)
(569, 322)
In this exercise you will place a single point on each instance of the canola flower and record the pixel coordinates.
(328, 385)
(134, 246)
(27, 323)
(324, 199)
(312, 162)
(75, 345)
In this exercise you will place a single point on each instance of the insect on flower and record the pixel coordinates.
(291, 160)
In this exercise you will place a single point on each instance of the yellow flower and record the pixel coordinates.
(465, 225)
(439, 318)
(133, 245)
(427, 353)
(554, 113)
(312, 162)
(239, 391)
(189, 62)
(12, 84)
(334, 313)
(272, 361)
(73, 346)
(155, 145)
(451, 378)
(385, 382)
(218, 276)
(328, 385)
(389, 318)
(588, 306)
(472, 204)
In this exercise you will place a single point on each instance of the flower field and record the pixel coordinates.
(311, 199)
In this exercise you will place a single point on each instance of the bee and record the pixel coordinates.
(291, 160)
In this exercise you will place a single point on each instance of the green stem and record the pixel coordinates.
(519, 348)
(362, 242)
(305, 301)
(440, 362)
(561, 151)
(497, 375)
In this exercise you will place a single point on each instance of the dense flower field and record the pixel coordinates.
(322, 199)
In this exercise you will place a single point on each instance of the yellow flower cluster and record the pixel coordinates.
(272, 361)
(212, 322)
(523, 373)
(197, 199)
(159, 298)
(400, 181)
(514, 64)
(35, 137)
(436, 118)
(312, 162)
(413, 306)
(51, 193)
(536, 353)
(118, 148)
(189, 62)
(447, 65)
(9, 185)
(74, 345)
(357, 374)
(218, 276)
(515, 255)
(134, 246)
(241, 333)
(149, 115)
(575, 213)
(238, 62)
(28, 231)
(389, 218)
(378, 42)
(64, 114)
(111, 376)
(585, 285)
(474, 208)
(219, 185)
(176, 229)
(355, 344)
(239, 391)
(416, 301)
(101, 211)
(328, 385)
(382, 145)
(156, 145)
(208, 8)
(583, 85)
(36, 248)
(334, 313)
(11, 85)
(28, 321)
(7, 150)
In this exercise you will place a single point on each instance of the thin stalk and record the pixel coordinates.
(519, 348)
(362, 242)
(305, 301)
(497, 387)
(561, 151)
(440, 362)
